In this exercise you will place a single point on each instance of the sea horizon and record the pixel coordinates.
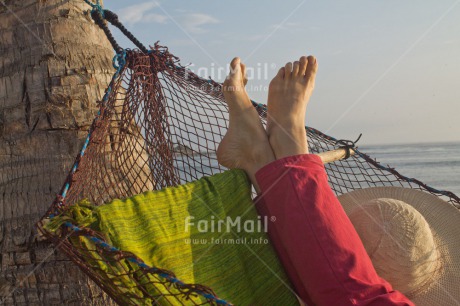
(437, 164)
(409, 143)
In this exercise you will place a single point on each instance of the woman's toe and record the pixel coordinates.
(303, 65)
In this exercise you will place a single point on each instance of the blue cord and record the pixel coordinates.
(96, 7)
(140, 263)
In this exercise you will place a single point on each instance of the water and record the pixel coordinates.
(435, 164)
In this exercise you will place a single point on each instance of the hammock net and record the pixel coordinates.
(159, 125)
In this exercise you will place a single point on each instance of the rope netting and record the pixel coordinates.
(159, 125)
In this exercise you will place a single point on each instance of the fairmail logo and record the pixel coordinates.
(238, 224)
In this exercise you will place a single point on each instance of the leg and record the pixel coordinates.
(245, 145)
(315, 240)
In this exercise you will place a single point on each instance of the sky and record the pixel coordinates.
(388, 69)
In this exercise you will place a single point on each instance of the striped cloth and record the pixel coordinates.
(207, 232)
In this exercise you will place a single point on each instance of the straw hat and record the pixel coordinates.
(413, 240)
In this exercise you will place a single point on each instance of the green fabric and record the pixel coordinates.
(152, 225)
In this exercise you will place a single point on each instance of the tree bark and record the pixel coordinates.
(54, 65)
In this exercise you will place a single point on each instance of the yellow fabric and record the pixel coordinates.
(166, 229)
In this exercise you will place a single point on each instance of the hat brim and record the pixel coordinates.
(444, 221)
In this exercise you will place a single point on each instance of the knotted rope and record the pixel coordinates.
(100, 16)
(348, 145)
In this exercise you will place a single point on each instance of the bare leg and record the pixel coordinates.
(288, 97)
(245, 146)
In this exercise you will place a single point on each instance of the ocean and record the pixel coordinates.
(435, 164)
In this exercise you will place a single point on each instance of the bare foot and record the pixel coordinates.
(288, 96)
(245, 146)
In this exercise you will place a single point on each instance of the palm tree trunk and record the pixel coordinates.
(54, 65)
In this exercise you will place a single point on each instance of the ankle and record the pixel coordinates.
(288, 141)
(262, 156)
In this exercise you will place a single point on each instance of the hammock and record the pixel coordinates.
(161, 228)
(158, 126)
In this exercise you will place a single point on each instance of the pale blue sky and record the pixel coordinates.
(389, 69)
